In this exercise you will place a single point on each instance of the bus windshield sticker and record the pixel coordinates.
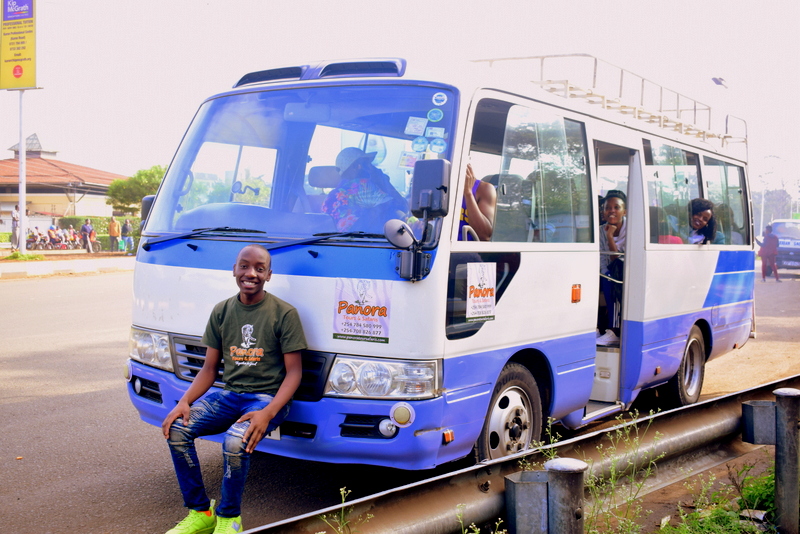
(416, 126)
(419, 144)
(481, 278)
(435, 115)
(434, 131)
(408, 159)
(439, 99)
(438, 146)
(362, 310)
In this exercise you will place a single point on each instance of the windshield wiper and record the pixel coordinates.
(199, 231)
(316, 238)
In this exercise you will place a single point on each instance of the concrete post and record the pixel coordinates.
(565, 495)
(787, 460)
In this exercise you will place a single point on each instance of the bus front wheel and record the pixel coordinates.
(684, 388)
(514, 419)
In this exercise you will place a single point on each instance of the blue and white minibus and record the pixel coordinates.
(426, 344)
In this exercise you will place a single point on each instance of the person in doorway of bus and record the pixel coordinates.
(15, 229)
(113, 234)
(769, 253)
(258, 337)
(703, 225)
(365, 198)
(477, 208)
(86, 232)
(127, 235)
(613, 236)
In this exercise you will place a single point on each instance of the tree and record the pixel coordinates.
(126, 195)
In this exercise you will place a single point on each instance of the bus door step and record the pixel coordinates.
(595, 410)
(606, 375)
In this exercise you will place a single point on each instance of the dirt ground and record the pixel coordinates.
(774, 354)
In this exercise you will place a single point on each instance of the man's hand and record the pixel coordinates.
(469, 182)
(182, 409)
(259, 422)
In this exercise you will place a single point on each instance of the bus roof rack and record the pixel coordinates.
(617, 89)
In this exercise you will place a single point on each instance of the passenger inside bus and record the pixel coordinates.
(726, 223)
(477, 209)
(703, 224)
(612, 247)
(660, 228)
(364, 199)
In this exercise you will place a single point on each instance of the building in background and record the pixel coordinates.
(54, 188)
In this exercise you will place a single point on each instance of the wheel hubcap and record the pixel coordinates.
(509, 423)
(691, 370)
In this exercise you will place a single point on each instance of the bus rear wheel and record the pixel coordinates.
(684, 388)
(514, 419)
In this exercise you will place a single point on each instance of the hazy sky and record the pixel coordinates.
(122, 79)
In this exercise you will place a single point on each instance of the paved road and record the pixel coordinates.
(74, 457)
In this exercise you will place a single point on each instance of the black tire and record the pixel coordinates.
(97, 247)
(684, 388)
(514, 418)
(769, 270)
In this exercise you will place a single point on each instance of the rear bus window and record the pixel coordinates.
(724, 186)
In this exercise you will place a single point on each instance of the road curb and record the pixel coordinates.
(16, 270)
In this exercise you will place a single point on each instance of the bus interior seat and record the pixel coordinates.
(321, 177)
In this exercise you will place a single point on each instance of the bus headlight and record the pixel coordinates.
(379, 378)
(151, 348)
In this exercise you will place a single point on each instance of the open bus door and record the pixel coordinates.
(616, 168)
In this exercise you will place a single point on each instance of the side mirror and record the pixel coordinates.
(399, 234)
(429, 188)
(147, 204)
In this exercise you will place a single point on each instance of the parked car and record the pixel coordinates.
(788, 233)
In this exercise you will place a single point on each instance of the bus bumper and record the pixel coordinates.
(327, 430)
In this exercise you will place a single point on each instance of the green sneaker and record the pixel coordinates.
(197, 522)
(229, 525)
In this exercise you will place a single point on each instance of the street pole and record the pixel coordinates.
(763, 194)
(23, 215)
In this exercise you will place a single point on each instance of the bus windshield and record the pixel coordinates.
(292, 163)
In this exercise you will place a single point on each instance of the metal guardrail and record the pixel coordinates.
(696, 437)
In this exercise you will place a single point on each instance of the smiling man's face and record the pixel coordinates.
(252, 271)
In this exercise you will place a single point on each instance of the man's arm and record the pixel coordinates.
(480, 206)
(259, 420)
(202, 382)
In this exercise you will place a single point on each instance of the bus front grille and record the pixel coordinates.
(189, 354)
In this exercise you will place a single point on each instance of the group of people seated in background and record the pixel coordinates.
(53, 235)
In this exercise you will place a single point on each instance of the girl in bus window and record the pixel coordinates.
(703, 224)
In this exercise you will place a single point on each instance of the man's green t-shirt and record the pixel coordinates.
(252, 341)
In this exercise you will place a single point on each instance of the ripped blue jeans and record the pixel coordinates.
(214, 414)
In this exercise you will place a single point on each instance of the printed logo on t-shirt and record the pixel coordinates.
(245, 354)
(247, 336)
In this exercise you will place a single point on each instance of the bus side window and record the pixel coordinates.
(724, 186)
(672, 181)
(546, 196)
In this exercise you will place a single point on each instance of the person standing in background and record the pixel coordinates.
(769, 253)
(127, 238)
(86, 235)
(113, 234)
(15, 229)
